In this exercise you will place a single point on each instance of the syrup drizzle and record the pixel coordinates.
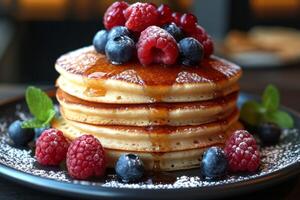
(95, 67)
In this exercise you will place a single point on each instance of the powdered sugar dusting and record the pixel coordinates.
(274, 158)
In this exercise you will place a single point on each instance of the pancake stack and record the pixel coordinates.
(168, 115)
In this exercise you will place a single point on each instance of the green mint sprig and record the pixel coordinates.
(40, 106)
(254, 113)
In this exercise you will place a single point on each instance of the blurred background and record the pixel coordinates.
(34, 33)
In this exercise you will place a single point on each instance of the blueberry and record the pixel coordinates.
(118, 31)
(39, 131)
(191, 51)
(100, 40)
(129, 168)
(214, 163)
(269, 133)
(120, 49)
(20, 136)
(174, 30)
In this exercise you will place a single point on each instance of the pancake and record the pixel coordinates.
(153, 138)
(88, 75)
(171, 160)
(174, 114)
(176, 159)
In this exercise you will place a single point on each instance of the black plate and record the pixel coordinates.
(278, 163)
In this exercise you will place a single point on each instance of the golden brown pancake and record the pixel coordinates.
(165, 151)
(175, 114)
(170, 161)
(151, 138)
(88, 75)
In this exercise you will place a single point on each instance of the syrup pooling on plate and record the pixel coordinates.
(95, 66)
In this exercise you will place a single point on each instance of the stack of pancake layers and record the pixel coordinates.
(168, 115)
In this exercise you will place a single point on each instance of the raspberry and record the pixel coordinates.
(156, 45)
(242, 152)
(197, 31)
(85, 158)
(200, 34)
(188, 22)
(165, 14)
(114, 15)
(176, 16)
(140, 15)
(51, 147)
(208, 46)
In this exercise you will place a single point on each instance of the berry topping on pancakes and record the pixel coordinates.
(140, 15)
(188, 21)
(100, 40)
(160, 46)
(165, 14)
(114, 15)
(191, 51)
(156, 45)
(174, 30)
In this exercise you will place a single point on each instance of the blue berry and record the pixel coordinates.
(20, 136)
(129, 168)
(269, 133)
(39, 131)
(120, 49)
(174, 30)
(214, 163)
(118, 31)
(100, 40)
(191, 51)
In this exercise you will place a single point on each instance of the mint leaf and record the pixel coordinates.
(281, 118)
(51, 115)
(32, 123)
(40, 106)
(39, 103)
(255, 113)
(271, 98)
(251, 112)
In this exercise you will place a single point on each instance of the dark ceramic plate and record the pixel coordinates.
(278, 163)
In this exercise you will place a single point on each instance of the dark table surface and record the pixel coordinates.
(287, 79)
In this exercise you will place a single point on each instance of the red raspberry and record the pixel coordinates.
(156, 45)
(176, 16)
(188, 22)
(51, 147)
(200, 34)
(242, 152)
(114, 15)
(85, 158)
(140, 15)
(198, 30)
(165, 14)
(208, 46)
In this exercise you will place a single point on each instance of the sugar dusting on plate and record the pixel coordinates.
(274, 158)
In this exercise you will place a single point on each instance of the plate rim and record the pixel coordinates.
(85, 191)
